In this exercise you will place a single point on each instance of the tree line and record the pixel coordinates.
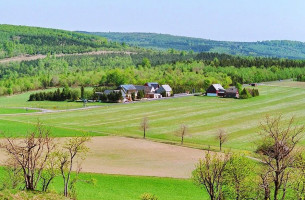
(113, 70)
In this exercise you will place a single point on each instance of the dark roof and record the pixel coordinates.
(153, 84)
(232, 90)
(146, 89)
(140, 87)
(128, 87)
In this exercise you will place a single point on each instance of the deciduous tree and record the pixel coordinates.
(221, 137)
(30, 154)
(209, 174)
(144, 126)
(280, 138)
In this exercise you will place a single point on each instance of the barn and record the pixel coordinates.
(166, 90)
(232, 92)
(215, 90)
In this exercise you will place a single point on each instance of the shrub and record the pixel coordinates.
(133, 96)
(245, 94)
(163, 94)
(140, 94)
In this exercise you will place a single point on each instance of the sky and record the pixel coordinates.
(228, 20)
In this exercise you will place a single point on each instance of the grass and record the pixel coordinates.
(203, 116)
(117, 187)
(21, 101)
(15, 110)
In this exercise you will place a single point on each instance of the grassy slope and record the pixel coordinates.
(203, 115)
(113, 187)
(287, 49)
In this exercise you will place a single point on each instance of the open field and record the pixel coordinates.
(292, 84)
(119, 155)
(15, 110)
(21, 101)
(203, 115)
(115, 187)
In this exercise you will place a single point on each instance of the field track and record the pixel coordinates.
(39, 56)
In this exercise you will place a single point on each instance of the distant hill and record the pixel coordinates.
(19, 40)
(275, 48)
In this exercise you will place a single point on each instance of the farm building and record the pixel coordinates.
(127, 91)
(165, 89)
(215, 90)
(149, 91)
(232, 92)
(153, 84)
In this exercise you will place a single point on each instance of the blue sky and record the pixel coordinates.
(231, 20)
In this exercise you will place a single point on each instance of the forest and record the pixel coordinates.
(274, 48)
(20, 40)
(184, 72)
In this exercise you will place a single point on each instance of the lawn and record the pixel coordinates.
(21, 101)
(15, 110)
(117, 187)
(203, 116)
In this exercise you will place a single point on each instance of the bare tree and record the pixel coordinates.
(72, 149)
(182, 132)
(279, 141)
(144, 126)
(209, 174)
(30, 154)
(221, 137)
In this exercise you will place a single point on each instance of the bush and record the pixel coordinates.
(163, 94)
(245, 94)
(133, 96)
(140, 94)
(113, 97)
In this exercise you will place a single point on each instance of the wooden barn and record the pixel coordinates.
(232, 92)
(215, 90)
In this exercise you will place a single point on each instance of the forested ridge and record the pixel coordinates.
(184, 72)
(274, 48)
(20, 40)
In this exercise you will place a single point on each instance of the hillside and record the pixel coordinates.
(20, 40)
(276, 48)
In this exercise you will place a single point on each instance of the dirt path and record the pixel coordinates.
(128, 156)
(39, 56)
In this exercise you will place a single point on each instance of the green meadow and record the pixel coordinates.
(15, 110)
(21, 101)
(203, 116)
(116, 187)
